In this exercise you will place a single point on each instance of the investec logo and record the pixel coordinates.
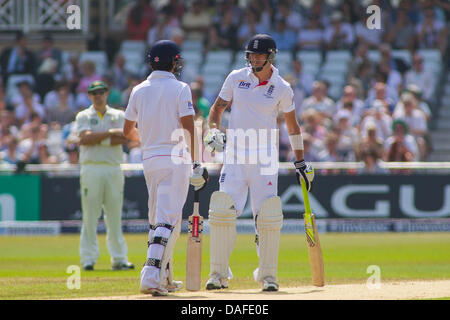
(243, 84)
(7, 207)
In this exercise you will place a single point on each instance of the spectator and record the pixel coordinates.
(249, 27)
(415, 119)
(7, 124)
(140, 19)
(331, 152)
(284, 37)
(89, 75)
(177, 7)
(222, 34)
(3, 102)
(431, 33)
(114, 95)
(134, 81)
(201, 104)
(119, 75)
(395, 63)
(401, 35)
(51, 99)
(28, 104)
(29, 147)
(349, 101)
(370, 141)
(72, 154)
(196, 21)
(319, 101)
(383, 93)
(161, 30)
(44, 156)
(347, 135)
(394, 80)
(371, 37)
(372, 163)
(423, 105)
(421, 77)
(71, 71)
(304, 79)
(360, 58)
(292, 19)
(311, 149)
(340, 35)
(48, 51)
(311, 36)
(312, 124)
(11, 154)
(401, 146)
(177, 36)
(18, 59)
(378, 115)
(62, 111)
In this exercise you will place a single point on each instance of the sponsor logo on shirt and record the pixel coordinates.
(222, 178)
(243, 84)
(269, 92)
(190, 105)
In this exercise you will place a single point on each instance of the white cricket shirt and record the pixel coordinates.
(256, 105)
(157, 104)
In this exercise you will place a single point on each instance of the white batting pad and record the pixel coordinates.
(268, 223)
(222, 227)
(167, 258)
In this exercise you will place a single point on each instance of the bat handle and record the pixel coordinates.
(196, 196)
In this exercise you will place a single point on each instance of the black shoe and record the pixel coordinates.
(88, 267)
(123, 266)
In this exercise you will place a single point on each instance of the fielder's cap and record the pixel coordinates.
(97, 85)
(414, 89)
(400, 122)
(371, 126)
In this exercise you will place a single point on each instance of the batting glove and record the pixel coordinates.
(215, 140)
(304, 172)
(199, 176)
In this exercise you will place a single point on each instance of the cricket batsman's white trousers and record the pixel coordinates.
(101, 187)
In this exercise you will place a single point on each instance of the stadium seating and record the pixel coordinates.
(222, 56)
(310, 57)
(192, 45)
(338, 56)
(13, 80)
(402, 54)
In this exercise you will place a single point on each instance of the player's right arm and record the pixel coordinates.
(216, 112)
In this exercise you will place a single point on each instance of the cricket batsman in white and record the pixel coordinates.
(161, 106)
(256, 94)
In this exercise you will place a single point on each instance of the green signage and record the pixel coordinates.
(20, 197)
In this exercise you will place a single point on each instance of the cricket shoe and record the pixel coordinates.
(88, 267)
(156, 292)
(174, 286)
(215, 282)
(269, 284)
(123, 266)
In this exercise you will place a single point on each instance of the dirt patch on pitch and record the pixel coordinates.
(387, 291)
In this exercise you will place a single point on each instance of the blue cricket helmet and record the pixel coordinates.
(163, 55)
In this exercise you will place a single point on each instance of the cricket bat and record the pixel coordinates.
(313, 243)
(194, 248)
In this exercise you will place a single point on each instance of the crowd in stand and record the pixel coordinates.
(382, 113)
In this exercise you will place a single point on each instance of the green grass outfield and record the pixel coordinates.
(35, 267)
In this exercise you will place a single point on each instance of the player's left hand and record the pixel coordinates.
(215, 140)
(199, 176)
(304, 172)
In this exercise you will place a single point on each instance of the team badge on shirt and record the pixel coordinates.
(94, 121)
(269, 92)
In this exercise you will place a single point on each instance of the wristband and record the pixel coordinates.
(296, 142)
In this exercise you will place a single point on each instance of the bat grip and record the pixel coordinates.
(196, 196)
